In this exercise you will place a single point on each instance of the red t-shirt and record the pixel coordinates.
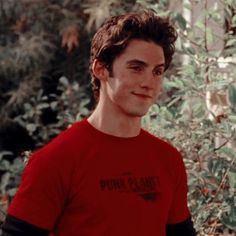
(87, 183)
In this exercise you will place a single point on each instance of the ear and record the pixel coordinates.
(99, 70)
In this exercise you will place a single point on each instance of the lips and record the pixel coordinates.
(142, 95)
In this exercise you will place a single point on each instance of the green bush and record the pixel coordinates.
(199, 117)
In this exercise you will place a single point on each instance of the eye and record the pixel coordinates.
(136, 68)
(158, 72)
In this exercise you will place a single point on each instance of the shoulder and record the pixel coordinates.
(168, 155)
(161, 144)
(67, 140)
(63, 148)
(70, 135)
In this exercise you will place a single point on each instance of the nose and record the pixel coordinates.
(148, 81)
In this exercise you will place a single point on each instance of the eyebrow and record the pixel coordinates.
(143, 63)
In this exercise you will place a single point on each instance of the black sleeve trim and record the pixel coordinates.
(16, 227)
(183, 228)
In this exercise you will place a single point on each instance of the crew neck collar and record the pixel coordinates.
(102, 134)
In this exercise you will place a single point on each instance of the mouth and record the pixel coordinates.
(143, 96)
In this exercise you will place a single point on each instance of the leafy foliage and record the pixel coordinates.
(10, 179)
(199, 118)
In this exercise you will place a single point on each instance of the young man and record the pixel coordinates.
(105, 175)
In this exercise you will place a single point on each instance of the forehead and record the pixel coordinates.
(147, 51)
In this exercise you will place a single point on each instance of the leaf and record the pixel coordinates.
(4, 165)
(230, 42)
(167, 114)
(64, 81)
(228, 12)
(97, 13)
(229, 219)
(84, 102)
(31, 127)
(54, 105)
(214, 166)
(42, 106)
(181, 21)
(200, 25)
(230, 152)
(232, 179)
(70, 37)
(209, 36)
(232, 96)
(11, 192)
(189, 50)
(234, 19)
(173, 84)
(21, 24)
(5, 153)
(232, 118)
(5, 180)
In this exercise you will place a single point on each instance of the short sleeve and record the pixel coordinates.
(42, 192)
(179, 208)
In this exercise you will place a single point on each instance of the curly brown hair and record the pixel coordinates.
(113, 36)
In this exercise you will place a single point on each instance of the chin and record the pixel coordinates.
(138, 113)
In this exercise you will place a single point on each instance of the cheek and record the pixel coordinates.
(116, 90)
(123, 85)
(159, 85)
(158, 89)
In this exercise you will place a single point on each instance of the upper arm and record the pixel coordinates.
(179, 207)
(43, 190)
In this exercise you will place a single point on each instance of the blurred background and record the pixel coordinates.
(45, 87)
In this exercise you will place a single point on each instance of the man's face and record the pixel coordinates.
(136, 79)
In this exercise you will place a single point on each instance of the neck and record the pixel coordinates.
(108, 122)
